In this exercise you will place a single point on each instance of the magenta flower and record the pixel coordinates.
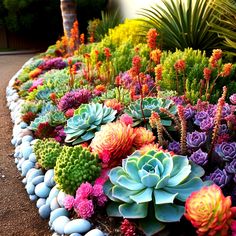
(232, 99)
(125, 118)
(69, 202)
(84, 191)
(35, 84)
(84, 208)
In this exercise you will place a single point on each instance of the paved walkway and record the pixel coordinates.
(18, 215)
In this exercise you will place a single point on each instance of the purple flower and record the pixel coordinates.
(196, 139)
(189, 112)
(60, 135)
(227, 151)
(178, 100)
(211, 110)
(231, 167)
(174, 147)
(200, 116)
(219, 177)
(74, 99)
(223, 129)
(226, 110)
(54, 63)
(199, 157)
(232, 98)
(207, 124)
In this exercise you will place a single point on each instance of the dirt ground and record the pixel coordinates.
(18, 215)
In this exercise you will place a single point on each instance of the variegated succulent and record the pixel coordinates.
(152, 188)
(86, 121)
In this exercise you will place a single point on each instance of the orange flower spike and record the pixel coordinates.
(34, 73)
(180, 65)
(145, 89)
(107, 53)
(227, 68)
(209, 211)
(82, 38)
(207, 73)
(151, 38)
(155, 55)
(158, 72)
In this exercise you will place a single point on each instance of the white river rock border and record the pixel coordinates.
(41, 187)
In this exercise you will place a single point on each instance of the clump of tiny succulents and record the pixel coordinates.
(47, 151)
(161, 157)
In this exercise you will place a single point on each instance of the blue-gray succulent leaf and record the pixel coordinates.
(169, 212)
(134, 210)
(163, 197)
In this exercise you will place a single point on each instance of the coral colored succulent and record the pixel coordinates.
(114, 104)
(209, 211)
(113, 142)
(143, 137)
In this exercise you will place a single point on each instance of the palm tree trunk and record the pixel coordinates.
(68, 12)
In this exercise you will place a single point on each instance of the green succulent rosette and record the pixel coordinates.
(152, 188)
(149, 105)
(86, 121)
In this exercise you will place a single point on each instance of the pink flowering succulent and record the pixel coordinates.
(35, 84)
(86, 198)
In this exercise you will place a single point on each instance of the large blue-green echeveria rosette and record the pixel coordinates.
(87, 119)
(152, 188)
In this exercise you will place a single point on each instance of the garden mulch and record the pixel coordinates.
(18, 215)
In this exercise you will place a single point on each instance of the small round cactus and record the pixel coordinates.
(47, 151)
(74, 166)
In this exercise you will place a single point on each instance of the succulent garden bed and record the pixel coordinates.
(122, 138)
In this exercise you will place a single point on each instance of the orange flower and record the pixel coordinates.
(209, 211)
(158, 72)
(114, 104)
(101, 88)
(143, 137)
(226, 69)
(207, 73)
(107, 53)
(155, 55)
(151, 38)
(215, 57)
(136, 65)
(180, 65)
(82, 38)
(34, 73)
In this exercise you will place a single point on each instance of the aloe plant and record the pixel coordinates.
(146, 188)
(150, 104)
(86, 121)
(226, 27)
(183, 24)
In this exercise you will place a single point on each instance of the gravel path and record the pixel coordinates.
(18, 215)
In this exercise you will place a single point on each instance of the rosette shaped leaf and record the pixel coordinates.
(143, 137)
(86, 121)
(146, 186)
(113, 142)
(209, 211)
(56, 118)
(74, 166)
(47, 151)
(44, 94)
(37, 121)
(150, 105)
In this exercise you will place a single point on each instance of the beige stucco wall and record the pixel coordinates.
(129, 8)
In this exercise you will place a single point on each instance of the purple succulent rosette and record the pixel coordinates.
(174, 147)
(207, 124)
(230, 167)
(74, 99)
(178, 100)
(199, 157)
(232, 98)
(54, 63)
(200, 116)
(189, 112)
(196, 139)
(211, 110)
(226, 110)
(223, 129)
(227, 151)
(219, 177)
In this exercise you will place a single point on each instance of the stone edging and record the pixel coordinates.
(41, 186)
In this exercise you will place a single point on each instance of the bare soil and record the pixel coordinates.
(18, 215)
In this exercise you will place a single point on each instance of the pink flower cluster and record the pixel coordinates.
(35, 84)
(85, 198)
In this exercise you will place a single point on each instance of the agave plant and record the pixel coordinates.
(148, 105)
(227, 26)
(183, 24)
(147, 186)
(86, 121)
(108, 21)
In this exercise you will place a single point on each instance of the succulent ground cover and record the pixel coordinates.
(145, 145)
